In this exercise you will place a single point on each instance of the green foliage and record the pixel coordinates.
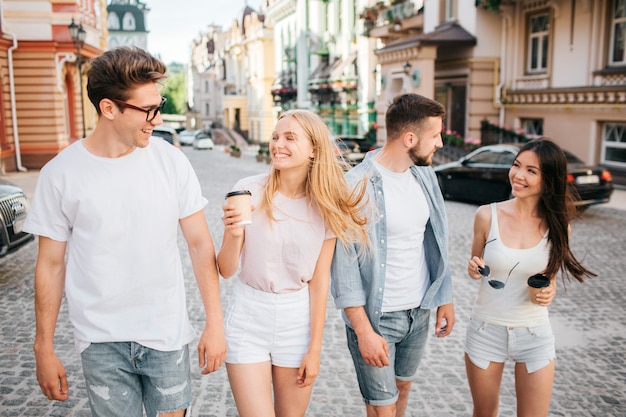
(493, 5)
(175, 91)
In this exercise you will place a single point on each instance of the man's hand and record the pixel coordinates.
(374, 349)
(445, 320)
(52, 377)
(211, 350)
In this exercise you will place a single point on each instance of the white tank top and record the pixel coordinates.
(510, 306)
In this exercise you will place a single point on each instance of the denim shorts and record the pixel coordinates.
(406, 333)
(263, 326)
(120, 374)
(485, 343)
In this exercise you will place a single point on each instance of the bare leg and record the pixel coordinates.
(252, 388)
(485, 387)
(533, 390)
(179, 413)
(403, 398)
(383, 411)
(290, 400)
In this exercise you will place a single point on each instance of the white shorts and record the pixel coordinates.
(485, 343)
(262, 326)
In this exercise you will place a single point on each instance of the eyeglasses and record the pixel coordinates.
(151, 113)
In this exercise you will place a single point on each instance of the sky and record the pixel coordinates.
(173, 24)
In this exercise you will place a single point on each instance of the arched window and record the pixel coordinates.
(129, 21)
(113, 21)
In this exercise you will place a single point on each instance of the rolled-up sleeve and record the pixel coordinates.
(346, 284)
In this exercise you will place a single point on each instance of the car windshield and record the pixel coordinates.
(492, 158)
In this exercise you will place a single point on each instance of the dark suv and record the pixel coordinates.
(13, 210)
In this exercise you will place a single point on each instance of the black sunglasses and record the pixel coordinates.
(498, 285)
(486, 271)
(151, 114)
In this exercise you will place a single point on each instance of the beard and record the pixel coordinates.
(417, 158)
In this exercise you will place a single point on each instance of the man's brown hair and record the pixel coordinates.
(118, 71)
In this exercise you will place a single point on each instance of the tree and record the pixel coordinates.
(175, 90)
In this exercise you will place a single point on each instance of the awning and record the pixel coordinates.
(446, 34)
(338, 70)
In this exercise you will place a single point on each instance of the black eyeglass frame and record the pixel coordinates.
(149, 118)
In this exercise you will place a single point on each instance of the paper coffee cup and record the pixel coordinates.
(535, 284)
(241, 200)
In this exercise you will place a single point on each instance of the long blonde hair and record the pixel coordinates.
(341, 207)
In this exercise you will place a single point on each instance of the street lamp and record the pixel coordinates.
(407, 68)
(78, 35)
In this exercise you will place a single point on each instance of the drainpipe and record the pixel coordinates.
(503, 40)
(16, 136)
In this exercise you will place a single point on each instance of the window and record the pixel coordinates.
(533, 128)
(538, 41)
(450, 10)
(129, 22)
(206, 109)
(617, 55)
(614, 144)
(113, 21)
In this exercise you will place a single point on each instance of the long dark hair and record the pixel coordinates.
(556, 207)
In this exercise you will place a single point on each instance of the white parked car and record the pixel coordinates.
(168, 134)
(186, 137)
(203, 141)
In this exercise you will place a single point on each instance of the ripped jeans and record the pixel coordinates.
(124, 377)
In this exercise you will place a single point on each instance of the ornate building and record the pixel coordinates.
(43, 102)
(127, 23)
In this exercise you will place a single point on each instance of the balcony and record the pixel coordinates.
(558, 97)
(392, 21)
(284, 90)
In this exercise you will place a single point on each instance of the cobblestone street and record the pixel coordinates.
(589, 321)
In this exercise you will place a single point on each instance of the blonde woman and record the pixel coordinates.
(276, 316)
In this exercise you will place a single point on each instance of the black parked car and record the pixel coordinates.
(352, 147)
(13, 210)
(482, 177)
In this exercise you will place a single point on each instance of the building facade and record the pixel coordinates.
(43, 102)
(538, 67)
(126, 23)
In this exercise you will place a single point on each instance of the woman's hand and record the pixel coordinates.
(309, 369)
(473, 265)
(546, 295)
(231, 218)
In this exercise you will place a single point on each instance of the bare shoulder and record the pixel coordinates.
(483, 213)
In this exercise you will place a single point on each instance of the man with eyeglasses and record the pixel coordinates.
(107, 211)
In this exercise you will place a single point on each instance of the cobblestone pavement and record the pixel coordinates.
(589, 322)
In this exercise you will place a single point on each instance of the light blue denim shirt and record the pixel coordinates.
(360, 280)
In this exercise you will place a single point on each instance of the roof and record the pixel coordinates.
(446, 34)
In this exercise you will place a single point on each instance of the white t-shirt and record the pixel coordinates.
(120, 219)
(280, 257)
(407, 213)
